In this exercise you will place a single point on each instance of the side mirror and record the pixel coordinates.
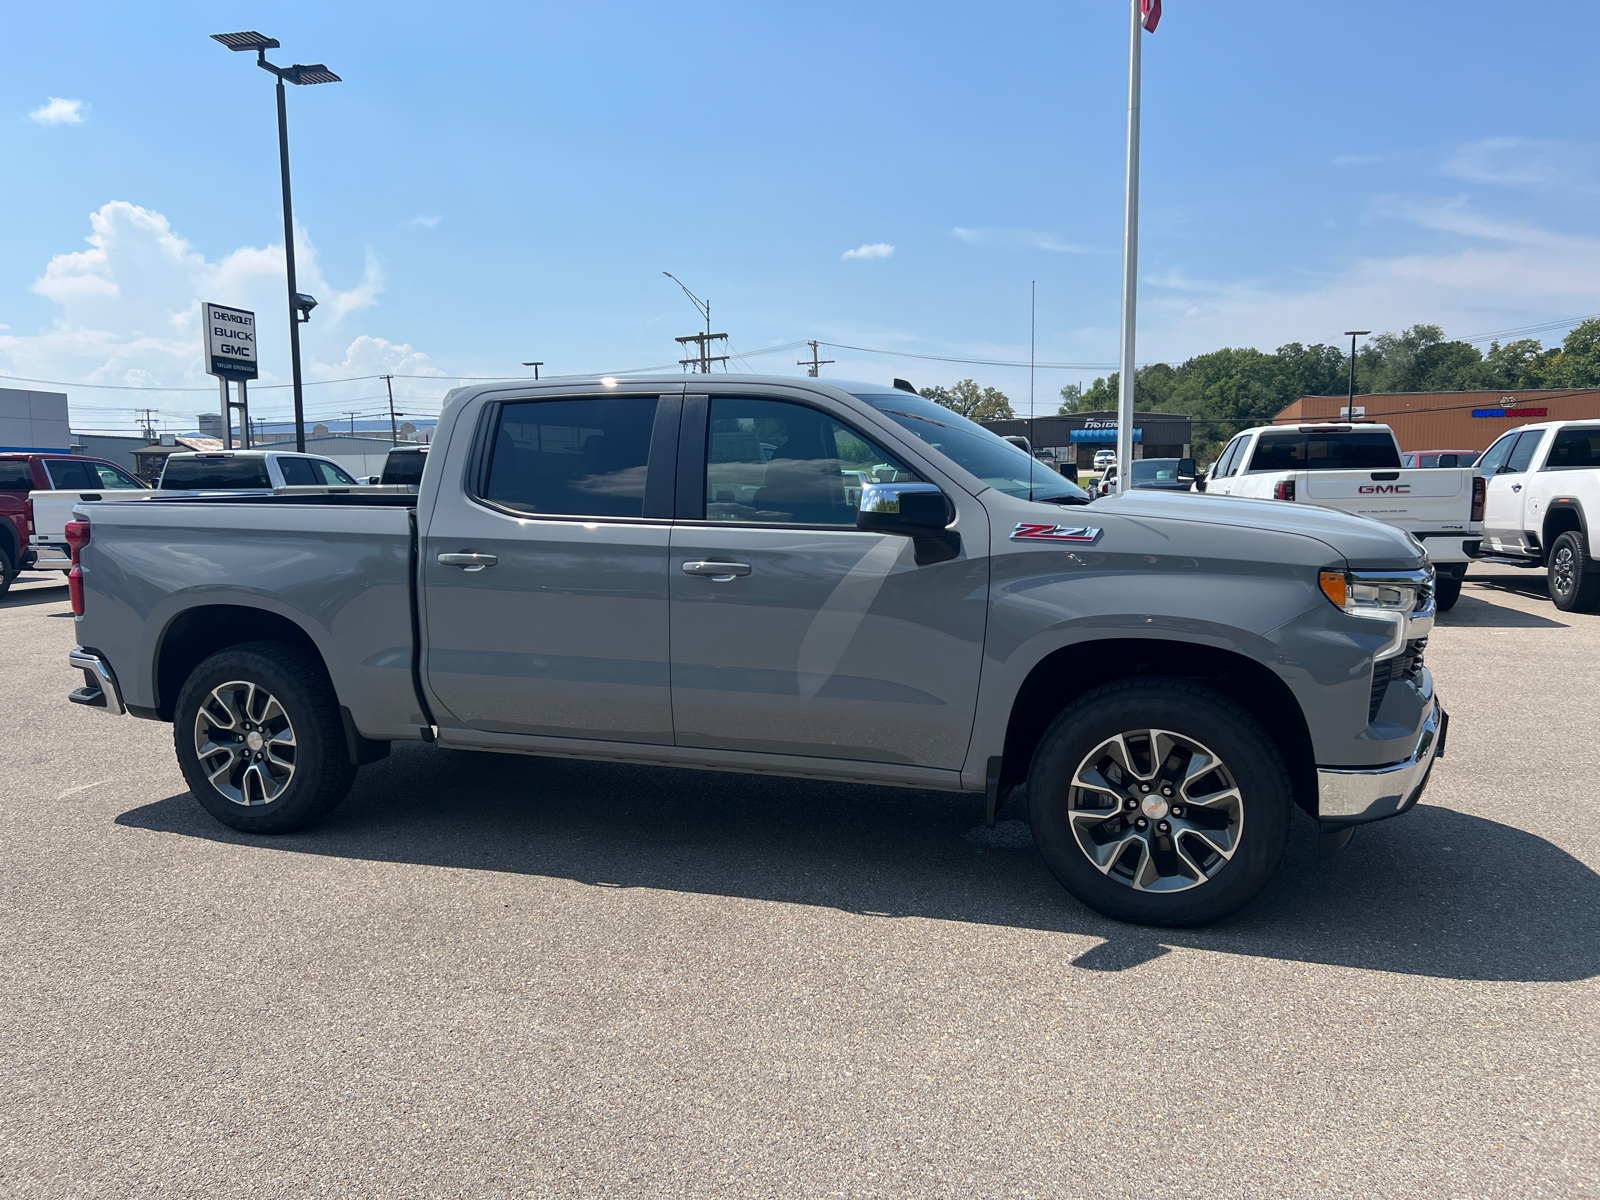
(909, 509)
(1070, 470)
(1186, 467)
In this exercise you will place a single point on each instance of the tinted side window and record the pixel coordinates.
(215, 474)
(405, 467)
(1495, 456)
(1574, 449)
(1523, 454)
(297, 472)
(1354, 451)
(67, 475)
(580, 458)
(769, 461)
(15, 476)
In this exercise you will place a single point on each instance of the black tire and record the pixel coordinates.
(1445, 593)
(8, 571)
(1574, 587)
(312, 774)
(1256, 821)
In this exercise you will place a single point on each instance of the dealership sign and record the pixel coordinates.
(230, 341)
(1511, 412)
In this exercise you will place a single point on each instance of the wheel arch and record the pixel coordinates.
(1064, 675)
(195, 634)
(1563, 515)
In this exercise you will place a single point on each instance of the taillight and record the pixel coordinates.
(1283, 490)
(27, 515)
(1480, 491)
(77, 533)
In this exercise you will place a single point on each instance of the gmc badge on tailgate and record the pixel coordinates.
(1080, 535)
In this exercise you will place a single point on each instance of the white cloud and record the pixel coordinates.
(1486, 274)
(421, 223)
(61, 112)
(870, 250)
(128, 308)
(1515, 162)
(1023, 238)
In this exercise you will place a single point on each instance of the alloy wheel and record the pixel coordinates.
(245, 743)
(1156, 811)
(1565, 569)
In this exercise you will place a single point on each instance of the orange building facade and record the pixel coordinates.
(1450, 420)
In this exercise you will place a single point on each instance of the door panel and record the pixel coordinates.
(1507, 492)
(835, 643)
(553, 624)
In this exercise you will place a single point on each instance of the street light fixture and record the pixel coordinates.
(1353, 334)
(535, 366)
(300, 305)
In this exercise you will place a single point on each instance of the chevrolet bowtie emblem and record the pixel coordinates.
(1082, 535)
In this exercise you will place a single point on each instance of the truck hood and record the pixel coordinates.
(1360, 541)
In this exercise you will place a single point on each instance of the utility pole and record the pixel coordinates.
(1033, 334)
(1353, 334)
(813, 362)
(147, 422)
(394, 436)
(704, 357)
(352, 417)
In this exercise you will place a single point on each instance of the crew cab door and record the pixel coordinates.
(792, 631)
(1504, 466)
(544, 572)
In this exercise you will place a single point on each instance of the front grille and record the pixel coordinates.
(1407, 665)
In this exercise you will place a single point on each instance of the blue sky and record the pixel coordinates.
(494, 183)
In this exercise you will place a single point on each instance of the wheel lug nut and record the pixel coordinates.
(1166, 791)
(1177, 812)
(1144, 787)
(1164, 827)
(1132, 803)
(1141, 823)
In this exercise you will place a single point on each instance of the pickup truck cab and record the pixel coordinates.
(22, 473)
(1543, 492)
(249, 470)
(73, 482)
(1357, 468)
(786, 577)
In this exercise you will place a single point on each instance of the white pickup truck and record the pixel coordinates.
(266, 471)
(1543, 486)
(1356, 468)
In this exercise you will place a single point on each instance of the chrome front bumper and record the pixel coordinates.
(1354, 796)
(99, 688)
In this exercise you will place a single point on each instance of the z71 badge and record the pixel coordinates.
(1078, 535)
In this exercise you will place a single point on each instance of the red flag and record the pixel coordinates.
(1151, 10)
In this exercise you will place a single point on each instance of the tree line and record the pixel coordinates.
(1231, 389)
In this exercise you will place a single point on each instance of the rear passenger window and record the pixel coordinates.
(69, 476)
(579, 458)
(298, 472)
(15, 477)
(772, 462)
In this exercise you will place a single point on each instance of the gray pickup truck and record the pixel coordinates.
(791, 577)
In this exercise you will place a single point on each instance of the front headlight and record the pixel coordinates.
(1401, 599)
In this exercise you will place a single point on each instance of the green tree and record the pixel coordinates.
(1524, 363)
(1070, 396)
(970, 400)
(1577, 363)
(1420, 359)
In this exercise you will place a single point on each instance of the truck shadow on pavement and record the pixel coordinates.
(1435, 893)
(1481, 612)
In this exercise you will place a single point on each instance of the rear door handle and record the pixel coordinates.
(469, 560)
(717, 572)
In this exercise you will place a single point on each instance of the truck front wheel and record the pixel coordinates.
(259, 738)
(1573, 587)
(1159, 801)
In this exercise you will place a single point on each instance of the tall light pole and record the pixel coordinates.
(703, 307)
(1353, 334)
(300, 306)
(1145, 15)
(535, 366)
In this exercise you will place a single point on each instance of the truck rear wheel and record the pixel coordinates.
(259, 738)
(1160, 802)
(1573, 586)
(8, 571)
(1445, 593)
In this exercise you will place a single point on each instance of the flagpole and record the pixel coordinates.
(1130, 261)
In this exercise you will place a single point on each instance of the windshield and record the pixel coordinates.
(1162, 469)
(1000, 464)
(1364, 450)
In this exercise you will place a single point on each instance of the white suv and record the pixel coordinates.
(249, 470)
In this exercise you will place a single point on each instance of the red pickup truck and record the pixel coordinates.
(24, 473)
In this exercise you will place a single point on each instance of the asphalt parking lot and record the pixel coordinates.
(493, 976)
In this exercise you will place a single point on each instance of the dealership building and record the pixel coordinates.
(1076, 437)
(1450, 420)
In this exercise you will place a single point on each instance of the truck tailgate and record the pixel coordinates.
(1411, 500)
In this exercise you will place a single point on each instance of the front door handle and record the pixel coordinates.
(1516, 487)
(717, 572)
(469, 560)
